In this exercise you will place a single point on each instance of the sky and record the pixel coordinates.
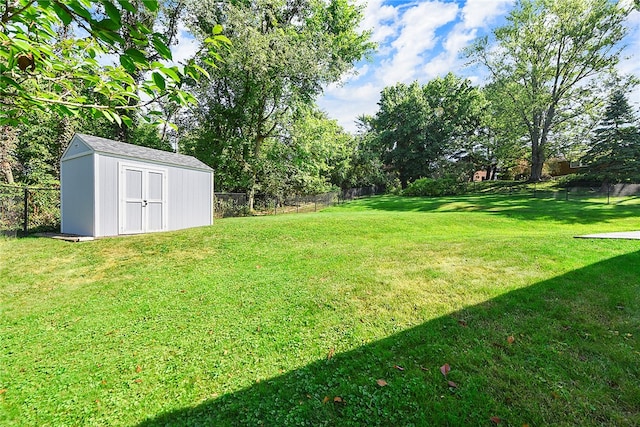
(420, 40)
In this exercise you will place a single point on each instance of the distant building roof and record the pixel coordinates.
(109, 146)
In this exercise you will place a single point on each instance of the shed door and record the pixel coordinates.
(142, 200)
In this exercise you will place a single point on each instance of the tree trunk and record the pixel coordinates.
(252, 196)
(8, 141)
(537, 162)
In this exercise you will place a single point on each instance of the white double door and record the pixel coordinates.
(143, 201)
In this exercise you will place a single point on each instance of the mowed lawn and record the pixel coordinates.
(342, 317)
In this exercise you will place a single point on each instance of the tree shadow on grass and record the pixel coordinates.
(561, 352)
(517, 206)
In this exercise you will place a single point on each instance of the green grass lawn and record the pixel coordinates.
(343, 317)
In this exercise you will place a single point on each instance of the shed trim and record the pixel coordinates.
(76, 156)
(124, 150)
(155, 162)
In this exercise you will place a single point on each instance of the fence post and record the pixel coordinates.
(608, 192)
(26, 210)
(315, 200)
(535, 189)
(567, 195)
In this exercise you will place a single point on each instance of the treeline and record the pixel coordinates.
(244, 103)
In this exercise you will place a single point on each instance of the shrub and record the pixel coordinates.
(434, 187)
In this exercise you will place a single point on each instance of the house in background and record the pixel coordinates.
(558, 166)
(479, 176)
(110, 188)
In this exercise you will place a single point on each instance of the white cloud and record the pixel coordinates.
(630, 63)
(346, 104)
(417, 36)
(380, 19)
(480, 13)
(186, 47)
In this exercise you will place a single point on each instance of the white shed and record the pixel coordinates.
(110, 188)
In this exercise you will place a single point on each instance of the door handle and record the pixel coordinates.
(145, 203)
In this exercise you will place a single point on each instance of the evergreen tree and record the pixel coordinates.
(614, 155)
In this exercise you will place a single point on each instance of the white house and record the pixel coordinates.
(110, 188)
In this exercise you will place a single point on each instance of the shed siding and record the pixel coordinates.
(108, 195)
(77, 147)
(77, 196)
(190, 198)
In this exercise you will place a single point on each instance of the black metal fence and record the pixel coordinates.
(597, 193)
(28, 209)
(237, 204)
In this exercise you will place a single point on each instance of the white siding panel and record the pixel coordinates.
(77, 196)
(190, 198)
(75, 148)
(108, 195)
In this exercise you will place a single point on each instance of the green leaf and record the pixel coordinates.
(79, 9)
(107, 115)
(127, 121)
(161, 47)
(159, 80)
(136, 56)
(171, 72)
(117, 118)
(126, 5)
(21, 44)
(127, 63)
(107, 24)
(152, 5)
(62, 14)
(112, 12)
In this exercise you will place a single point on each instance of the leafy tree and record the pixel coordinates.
(503, 136)
(417, 126)
(51, 61)
(544, 58)
(284, 52)
(39, 69)
(614, 155)
(365, 165)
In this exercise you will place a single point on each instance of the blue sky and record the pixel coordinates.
(420, 40)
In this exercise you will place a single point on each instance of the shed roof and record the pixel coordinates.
(109, 146)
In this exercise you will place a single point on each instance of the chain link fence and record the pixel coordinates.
(25, 210)
(237, 204)
(596, 193)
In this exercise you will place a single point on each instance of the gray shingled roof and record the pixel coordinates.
(109, 146)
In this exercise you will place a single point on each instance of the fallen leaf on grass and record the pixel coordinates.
(337, 399)
(3, 390)
(511, 339)
(138, 380)
(381, 382)
(445, 369)
(138, 368)
(326, 399)
(452, 384)
(332, 351)
(399, 368)
(495, 420)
